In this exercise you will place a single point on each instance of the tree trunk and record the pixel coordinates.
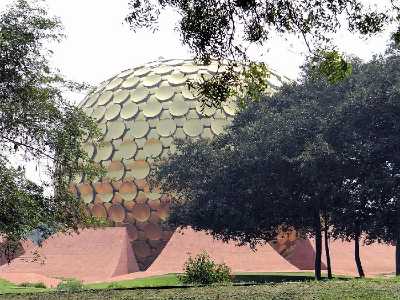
(327, 254)
(357, 255)
(398, 256)
(318, 248)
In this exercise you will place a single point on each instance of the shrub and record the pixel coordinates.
(39, 285)
(70, 285)
(203, 270)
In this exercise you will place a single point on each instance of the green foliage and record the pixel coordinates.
(203, 270)
(37, 124)
(34, 285)
(333, 66)
(70, 285)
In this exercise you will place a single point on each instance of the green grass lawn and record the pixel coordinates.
(8, 287)
(370, 289)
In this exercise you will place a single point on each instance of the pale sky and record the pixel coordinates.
(99, 44)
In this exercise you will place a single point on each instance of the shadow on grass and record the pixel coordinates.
(278, 277)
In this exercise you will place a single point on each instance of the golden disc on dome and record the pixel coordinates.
(128, 190)
(115, 130)
(154, 204)
(230, 107)
(88, 111)
(129, 205)
(99, 211)
(125, 73)
(207, 134)
(104, 98)
(205, 110)
(141, 212)
(163, 69)
(218, 125)
(188, 68)
(166, 127)
(163, 212)
(141, 197)
(129, 110)
(104, 190)
(173, 62)
(192, 127)
(152, 148)
(127, 149)
(189, 93)
(116, 213)
(138, 129)
(164, 93)
(89, 149)
(112, 112)
(98, 112)
(91, 100)
(121, 96)
(116, 82)
(115, 170)
(142, 71)
(179, 106)
(132, 230)
(139, 94)
(139, 169)
(177, 78)
(104, 151)
(130, 82)
(151, 80)
(152, 108)
(86, 192)
(152, 231)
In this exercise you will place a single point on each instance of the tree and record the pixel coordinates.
(224, 29)
(37, 123)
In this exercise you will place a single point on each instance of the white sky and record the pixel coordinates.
(99, 44)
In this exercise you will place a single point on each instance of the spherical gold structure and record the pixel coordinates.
(141, 112)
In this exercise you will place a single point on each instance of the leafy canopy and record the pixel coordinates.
(37, 124)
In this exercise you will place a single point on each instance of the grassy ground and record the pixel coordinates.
(332, 289)
(7, 287)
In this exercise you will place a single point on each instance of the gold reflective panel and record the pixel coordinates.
(88, 111)
(104, 151)
(125, 73)
(207, 134)
(152, 231)
(179, 134)
(115, 170)
(98, 112)
(152, 148)
(139, 94)
(91, 100)
(230, 107)
(129, 110)
(178, 107)
(112, 112)
(104, 98)
(151, 80)
(188, 68)
(130, 82)
(205, 110)
(177, 78)
(166, 141)
(218, 125)
(89, 149)
(166, 127)
(115, 129)
(142, 71)
(164, 93)
(141, 212)
(138, 129)
(173, 62)
(116, 213)
(99, 211)
(163, 69)
(127, 149)
(86, 192)
(120, 96)
(139, 169)
(152, 108)
(104, 190)
(128, 191)
(189, 93)
(116, 82)
(193, 127)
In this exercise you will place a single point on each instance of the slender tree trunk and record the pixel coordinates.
(327, 253)
(357, 254)
(318, 246)
(398, 255)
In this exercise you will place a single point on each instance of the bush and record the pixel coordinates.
(203, 270)
(39, 285)
(70, 285)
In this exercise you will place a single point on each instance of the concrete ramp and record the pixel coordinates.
(91, 255)
(187, 243)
